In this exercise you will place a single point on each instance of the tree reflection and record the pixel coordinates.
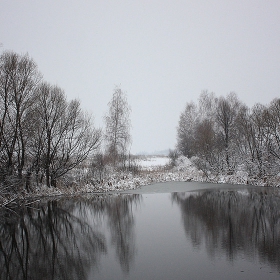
(47, 243)
(61, 239)
(235, 222)
(121, 223)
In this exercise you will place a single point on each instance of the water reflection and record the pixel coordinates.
(60, 239)
(234, 223)
(121, 224)
(94, 237)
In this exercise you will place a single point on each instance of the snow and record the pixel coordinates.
(152, 170)
(153, 161)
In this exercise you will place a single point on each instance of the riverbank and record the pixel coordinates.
(119, 182)
(148, 174)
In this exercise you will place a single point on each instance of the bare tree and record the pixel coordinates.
(272, 122)
(227, 112)
(185, 130)
(246, 138)
(18, 80)
(225, 134)
(117, 134)
(205, 139)
(260, 139)
(207, 105)
(66, 135)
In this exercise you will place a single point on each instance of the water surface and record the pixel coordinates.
(164, 231)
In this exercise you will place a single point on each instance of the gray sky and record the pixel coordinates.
(162, 54)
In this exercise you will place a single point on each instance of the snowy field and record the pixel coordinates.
(151, 162)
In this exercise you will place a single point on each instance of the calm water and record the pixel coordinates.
(199, 231)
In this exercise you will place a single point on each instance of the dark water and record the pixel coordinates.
(218, 233)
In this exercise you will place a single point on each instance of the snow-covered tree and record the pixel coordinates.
(185, 130)
(117, 133)
(226, 116)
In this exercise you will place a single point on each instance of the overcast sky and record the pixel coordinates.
(162, 54)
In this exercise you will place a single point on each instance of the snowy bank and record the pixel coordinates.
(153, 170)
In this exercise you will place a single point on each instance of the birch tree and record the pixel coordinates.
(185, 130)
(117, 134)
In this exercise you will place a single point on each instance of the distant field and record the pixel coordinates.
(153, 161)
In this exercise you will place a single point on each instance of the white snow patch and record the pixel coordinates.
(153, 161)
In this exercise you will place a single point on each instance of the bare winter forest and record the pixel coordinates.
(43, 136)
(222, 136)
(48, 141)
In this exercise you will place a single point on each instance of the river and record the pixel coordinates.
(178, 230)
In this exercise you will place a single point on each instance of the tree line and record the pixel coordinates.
(43, 136)
(223, 135)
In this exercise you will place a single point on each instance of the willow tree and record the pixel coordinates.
(117, 134)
